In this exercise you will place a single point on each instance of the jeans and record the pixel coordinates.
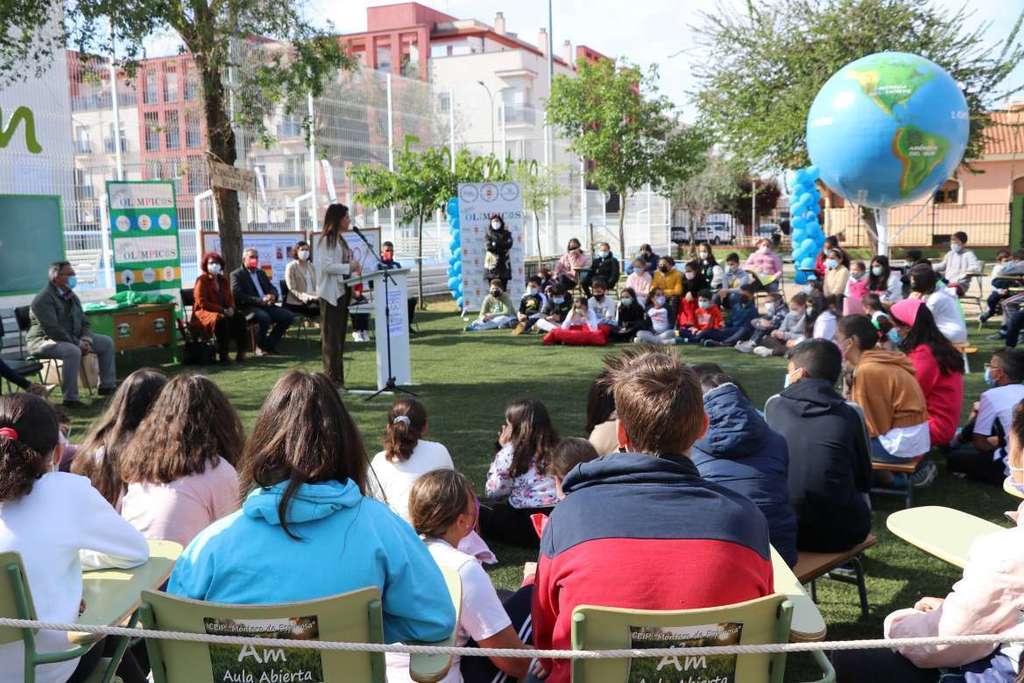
(70, 356)
(492, 324)
(648, 337)
(265, 316)
(1014, 326)
(728, 336)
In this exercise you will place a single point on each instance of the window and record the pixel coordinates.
(154, 170)
(293, 175)
(949, 193)
(83, 184)
(384, 57)
(82, 143)
(290, 126)
(191, 86)
(440, 50)
(411, 60)
(196, 178)
(444, 102)
(171, 86)
(151, 95)
(108, 141)
(172, 130)
(193, 130)
(152, 120)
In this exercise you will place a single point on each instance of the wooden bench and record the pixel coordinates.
(812, 566)
(907, 468)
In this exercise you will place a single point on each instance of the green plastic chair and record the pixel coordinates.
(16, 602)
(353, 617)
(764, 620)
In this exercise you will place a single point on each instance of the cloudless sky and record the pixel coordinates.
(645, 31)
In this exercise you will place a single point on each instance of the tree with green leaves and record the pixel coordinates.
(762, 67)
(612, 114)
(540, 187)
(285, 58)
(707, 191)
(422, 183)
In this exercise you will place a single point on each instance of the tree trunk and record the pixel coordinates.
(867, 215)
(419, 265)
(221, 147)
(622, 223)
(536, 230)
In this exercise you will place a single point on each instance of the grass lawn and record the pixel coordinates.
(465, 380)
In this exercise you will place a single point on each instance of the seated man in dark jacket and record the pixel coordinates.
(641, 529)
(604, 267)
(740, 452)
(829, 458)
(256, 296)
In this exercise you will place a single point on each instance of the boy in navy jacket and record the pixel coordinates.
(641, 529)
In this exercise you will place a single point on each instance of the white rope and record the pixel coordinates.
(769, 648)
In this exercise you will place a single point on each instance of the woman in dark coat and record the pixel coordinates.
(499, 246)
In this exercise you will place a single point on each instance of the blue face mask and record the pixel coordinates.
(894, 336)
(989, 380)
(72, 282)
(786, 382)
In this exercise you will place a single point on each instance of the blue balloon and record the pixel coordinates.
(453, 258)
(807, 262)
(453, 283)
(453, 207)
(459, 302)
(457, 268)
(800, 277)
(813, 172)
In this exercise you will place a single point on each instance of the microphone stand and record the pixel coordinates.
(390, 384)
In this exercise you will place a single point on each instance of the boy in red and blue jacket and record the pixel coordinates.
(641, 529)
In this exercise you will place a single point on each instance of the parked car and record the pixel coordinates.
(714, 233)
(768, 229)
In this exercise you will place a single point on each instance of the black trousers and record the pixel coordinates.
(228, 329)
(481, 669)
(976, 466)
(129, 669)
(879, 666)
(503, 523)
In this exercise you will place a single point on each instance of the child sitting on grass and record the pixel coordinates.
(738, 326)
(631, 316)
(639, 280)
(705, 316)
(791, 332)
(580, 328)
(530, 306)
(557, 307)
(661, 331)
(496, 310)
(775, 312)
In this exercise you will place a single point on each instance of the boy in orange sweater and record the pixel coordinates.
(707, 316)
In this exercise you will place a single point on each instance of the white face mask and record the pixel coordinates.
(659, 300)
(303, 255)
(532, 291)
(956, 248)
(603, 253)
(214, 268)
(876, 271)
(690, 274)
(495, 224)
(626, 301)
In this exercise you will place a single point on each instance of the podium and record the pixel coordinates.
(389, 313)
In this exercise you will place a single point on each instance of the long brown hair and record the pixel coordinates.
(303, 435)
(331, 234)
(533, 435)
(189, 426)
(406, 421)
(30, 435)
(113, 431)
(436, 501)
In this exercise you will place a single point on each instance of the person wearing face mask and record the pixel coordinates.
(555, 310)
(831, 242)
(605, 267)
(639, 280)
(924, 285)
(739, 324)
(256, 296)
(713, 273)
(884, 281)
(498, 243)
(387, 257)
(990, 420)
(791, 332)
(631, 316)
(658, 328)
(693, 284)
(300, 276)
(670, 282)
(647, 258)
(885, 388)
(60, 330)
(856, 289)
(530, 306)
(836, 274)
(496, 310)
(214, 313)
(567, 270)
(775, 312)
(602, 305)
(733, 279)
(706, 317)
(81, 531)
(765, 266)
(959, 264)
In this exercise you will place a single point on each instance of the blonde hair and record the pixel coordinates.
(436, 501)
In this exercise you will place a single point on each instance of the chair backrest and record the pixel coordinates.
(15, 599)
(188, 297)
(23, 315)
(350, 617)
(764, 620)
(283, 286)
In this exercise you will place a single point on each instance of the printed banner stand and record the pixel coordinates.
(144, 236)
(477, 203)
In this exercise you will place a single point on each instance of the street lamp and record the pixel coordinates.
(484, 86)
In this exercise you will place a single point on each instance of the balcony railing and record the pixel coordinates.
(520, 115)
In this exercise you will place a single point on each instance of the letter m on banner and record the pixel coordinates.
(22, 115)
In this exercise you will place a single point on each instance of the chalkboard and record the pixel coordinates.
(31, 238)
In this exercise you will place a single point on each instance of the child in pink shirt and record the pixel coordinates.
(639, 280)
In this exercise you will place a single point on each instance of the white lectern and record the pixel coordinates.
(391, 324)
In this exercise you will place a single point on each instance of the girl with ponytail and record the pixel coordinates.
(406, 456)
(59, 524)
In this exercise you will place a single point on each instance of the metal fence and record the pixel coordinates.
(986, 225)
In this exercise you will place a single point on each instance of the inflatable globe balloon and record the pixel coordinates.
(887, 129)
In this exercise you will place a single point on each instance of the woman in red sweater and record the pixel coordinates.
(938, 365)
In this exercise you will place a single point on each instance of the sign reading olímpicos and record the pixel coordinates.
(144, 235)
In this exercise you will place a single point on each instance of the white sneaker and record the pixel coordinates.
(357, 337)
(744, 346)
(763, 352)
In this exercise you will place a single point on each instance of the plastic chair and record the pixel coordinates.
(305, 320)
(764, 620)
(353, 617)
(16, 602)
(979, 279)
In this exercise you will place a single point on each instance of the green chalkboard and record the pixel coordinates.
(31, 238)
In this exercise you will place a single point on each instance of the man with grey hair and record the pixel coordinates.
(257, 298)
(60, 330)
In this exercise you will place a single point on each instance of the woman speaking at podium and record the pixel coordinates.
(333, 261)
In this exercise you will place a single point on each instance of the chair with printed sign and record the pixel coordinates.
(16, 603)
(353, 617)
(755, 622)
